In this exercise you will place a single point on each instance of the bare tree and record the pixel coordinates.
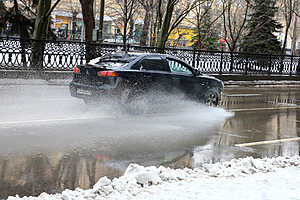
(234, 20)
(170, 21)
(157, 20)
(148, 6)
(75, 9)
(294, 34)
(204, 27)
(88, 18)
(122, 13)
(42, 19)
(89, 25)
(23, 16)
(286, 8)
(41, 28)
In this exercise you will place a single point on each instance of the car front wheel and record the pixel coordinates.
(211, 97)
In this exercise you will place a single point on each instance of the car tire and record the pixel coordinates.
(90, 102)
(132, 99)
(125, 95)
(211, 97)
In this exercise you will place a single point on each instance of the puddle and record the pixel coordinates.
(43, 156)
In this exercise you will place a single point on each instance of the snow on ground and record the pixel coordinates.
(247, 178)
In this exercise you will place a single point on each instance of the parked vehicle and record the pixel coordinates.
(128, 76)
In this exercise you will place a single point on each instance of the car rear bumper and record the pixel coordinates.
(81, 90)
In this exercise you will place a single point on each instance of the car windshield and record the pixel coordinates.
(115, 60)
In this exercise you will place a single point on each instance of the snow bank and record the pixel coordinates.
(140, 182)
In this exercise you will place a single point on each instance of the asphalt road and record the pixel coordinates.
(50, 141)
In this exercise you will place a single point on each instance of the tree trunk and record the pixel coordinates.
(131, 29)
(42, 21)
(3, 13)
(158, 21)
(101, 19)
(144, 35)
(89, 24)
(125, 35)
(40, 33)
(164, 31)
(294, 36)
(286, 34)
(20, 21)
(125, 21)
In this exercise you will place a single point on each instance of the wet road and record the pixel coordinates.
(50, 141)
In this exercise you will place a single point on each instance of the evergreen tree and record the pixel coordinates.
(261, 28)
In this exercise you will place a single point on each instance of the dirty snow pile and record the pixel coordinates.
(247, 178)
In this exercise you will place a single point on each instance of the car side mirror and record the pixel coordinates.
(196, 72)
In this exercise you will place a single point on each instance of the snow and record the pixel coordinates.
(245, 178)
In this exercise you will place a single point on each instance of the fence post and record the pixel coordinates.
(298, 67)
(270, 64)
(292, 59)
(194, 57)
(281, 67)
(231, 62)
(246, 65)
(221, 65)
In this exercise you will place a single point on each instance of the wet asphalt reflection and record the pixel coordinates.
(51, 141)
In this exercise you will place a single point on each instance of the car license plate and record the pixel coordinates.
(85, 92)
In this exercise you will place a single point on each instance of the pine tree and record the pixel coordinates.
(261, 28)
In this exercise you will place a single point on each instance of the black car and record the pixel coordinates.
(128, 76)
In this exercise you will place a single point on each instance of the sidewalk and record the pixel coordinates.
(262, 83)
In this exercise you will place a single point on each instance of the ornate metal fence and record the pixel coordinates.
(16, 54)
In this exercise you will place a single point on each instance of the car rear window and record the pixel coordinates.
(116, 60)
(154, 63)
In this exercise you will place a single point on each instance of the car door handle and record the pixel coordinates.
(147, 76)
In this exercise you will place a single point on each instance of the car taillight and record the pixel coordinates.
(76, 70)
(107, 73)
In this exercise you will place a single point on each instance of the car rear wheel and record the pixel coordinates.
(125, 95)
(212, 97)
(88, 101)
(133, 100)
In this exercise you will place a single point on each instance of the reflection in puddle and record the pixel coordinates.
(263, 99)
(253, 126)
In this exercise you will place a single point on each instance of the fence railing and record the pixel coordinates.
(16, 54)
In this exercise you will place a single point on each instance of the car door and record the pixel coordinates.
(184, 79)
(156, 73)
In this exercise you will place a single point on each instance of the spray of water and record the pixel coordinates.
(50, 112)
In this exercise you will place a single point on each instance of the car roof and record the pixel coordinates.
(138, 54)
